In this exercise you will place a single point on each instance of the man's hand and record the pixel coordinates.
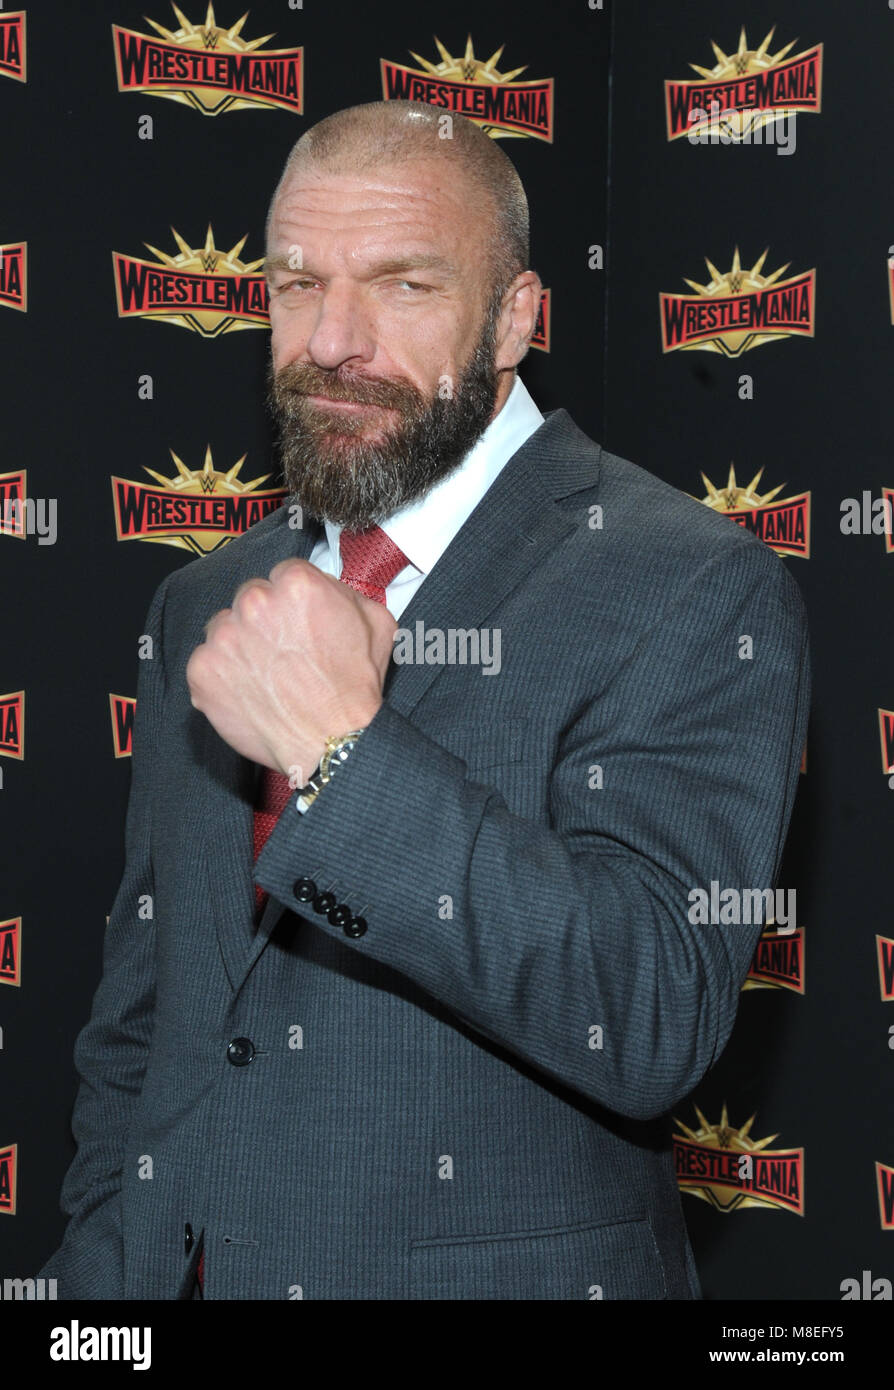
(299, 657)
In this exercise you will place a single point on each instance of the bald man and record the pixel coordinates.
(427, 767)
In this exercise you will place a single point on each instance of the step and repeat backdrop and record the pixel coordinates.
(716, 242)
(750, 347)
(142, 144)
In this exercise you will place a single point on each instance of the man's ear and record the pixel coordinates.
(518, 318)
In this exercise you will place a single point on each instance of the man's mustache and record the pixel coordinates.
(302, 380)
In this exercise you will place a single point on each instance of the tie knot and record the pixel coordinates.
(370, 560)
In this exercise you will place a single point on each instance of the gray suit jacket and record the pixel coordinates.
(470, 1099)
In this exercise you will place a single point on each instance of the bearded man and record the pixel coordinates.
(421, 984)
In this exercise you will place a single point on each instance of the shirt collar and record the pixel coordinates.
(424, 529)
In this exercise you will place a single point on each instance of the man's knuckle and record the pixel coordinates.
(253, 602)
(296, 578)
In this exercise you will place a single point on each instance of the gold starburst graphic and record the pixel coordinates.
(207, 259)
(745, 59)
(210, 34)
(733, 497)
(724, 1135)
(468, 68)
(736, 280)
(207, 479)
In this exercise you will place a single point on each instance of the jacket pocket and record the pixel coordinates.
(481, 746)
(593, 1261)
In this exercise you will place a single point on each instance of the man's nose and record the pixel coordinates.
(342, 329)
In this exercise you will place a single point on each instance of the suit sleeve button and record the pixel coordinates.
(304, 889)
(340, 916)
(188, 1238)
(324, 902)
(356, 926)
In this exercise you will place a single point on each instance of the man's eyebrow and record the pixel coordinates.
(424, 260)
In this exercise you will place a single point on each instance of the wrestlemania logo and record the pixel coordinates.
(886, 968)
(778, 961)
(122, 709)
(11, 951)
(13, 281)
(12, 725)
(502, 107)
(542, 328)
(209, 291)
(199, 510)
(885, 1178)
(12, 45)
(783, 525)
(744, 91)
(738, 310)
(891, 282)
(208, 67)
(8, 1165)
(886, 733)
(723, 1166)
(13, 495)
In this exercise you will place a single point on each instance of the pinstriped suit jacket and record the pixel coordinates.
(430, 1111)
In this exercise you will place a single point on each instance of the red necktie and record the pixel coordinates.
(370, 560)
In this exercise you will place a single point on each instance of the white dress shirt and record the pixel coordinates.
(424, 529)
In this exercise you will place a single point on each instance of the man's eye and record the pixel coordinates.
(309, 283)
(288, 285)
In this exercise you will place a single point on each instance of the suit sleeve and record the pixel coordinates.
(111, 1050)
(584, 923)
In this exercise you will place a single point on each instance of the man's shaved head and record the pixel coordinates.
(387, 134)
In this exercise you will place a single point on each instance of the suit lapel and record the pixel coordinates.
(515, 527)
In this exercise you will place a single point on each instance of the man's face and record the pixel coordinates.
(384, 367)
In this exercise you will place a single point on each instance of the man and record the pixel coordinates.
(436, 1058)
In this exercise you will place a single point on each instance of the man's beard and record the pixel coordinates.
(338, 476)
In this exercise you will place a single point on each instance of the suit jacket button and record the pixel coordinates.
(339, 916)
(240, 1052)
(356, 926)
(305, 890)
(188, 1238)
(324, 902)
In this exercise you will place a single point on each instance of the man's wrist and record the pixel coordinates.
(337, 751)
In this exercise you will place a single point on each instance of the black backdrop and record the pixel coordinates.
(815, 1067)
(79, 183)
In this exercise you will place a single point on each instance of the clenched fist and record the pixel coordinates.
(299, 657)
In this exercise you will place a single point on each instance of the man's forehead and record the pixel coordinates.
(425, 193)
(390, 219)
